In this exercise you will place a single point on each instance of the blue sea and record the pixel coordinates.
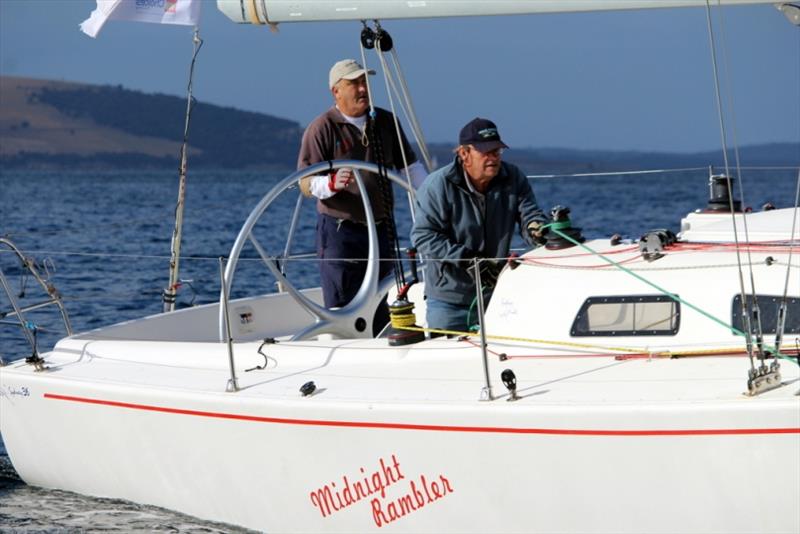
(103, 239)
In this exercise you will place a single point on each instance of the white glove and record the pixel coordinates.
(326, 185)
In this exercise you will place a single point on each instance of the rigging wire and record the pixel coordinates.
(732, 110)
(652, 171)
(782, 307)
(658, 171)
(745, 316)
(614, 173)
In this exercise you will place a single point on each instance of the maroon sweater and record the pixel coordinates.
(331, 137)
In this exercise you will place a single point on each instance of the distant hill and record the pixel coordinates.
(51, 124)
(57, 124)
(770, 154)
(564, 160)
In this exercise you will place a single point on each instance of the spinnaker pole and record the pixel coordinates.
(170, 294)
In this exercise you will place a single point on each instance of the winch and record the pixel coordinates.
(567, 235)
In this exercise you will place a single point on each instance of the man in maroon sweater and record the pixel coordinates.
(344, 132)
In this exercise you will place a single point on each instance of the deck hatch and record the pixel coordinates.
(768, 305)
(627, 315)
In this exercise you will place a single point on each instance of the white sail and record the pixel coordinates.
(275, 11)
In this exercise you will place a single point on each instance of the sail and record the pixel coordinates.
(275, 11)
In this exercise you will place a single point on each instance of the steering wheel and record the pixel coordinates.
(351, 321)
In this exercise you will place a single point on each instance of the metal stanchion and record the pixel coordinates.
(232, 383)
(486, 391)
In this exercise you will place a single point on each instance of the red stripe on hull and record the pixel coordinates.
(436, 428)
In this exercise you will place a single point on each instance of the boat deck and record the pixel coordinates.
(437, 371)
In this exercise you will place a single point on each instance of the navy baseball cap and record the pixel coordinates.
(482, 134)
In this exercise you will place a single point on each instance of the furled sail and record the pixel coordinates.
(276, 11)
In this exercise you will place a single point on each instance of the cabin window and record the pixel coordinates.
(768, 305)
(631, 315)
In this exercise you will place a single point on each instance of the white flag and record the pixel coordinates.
(186, 12)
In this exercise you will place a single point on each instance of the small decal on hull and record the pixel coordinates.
(385, 506)
(21, 391)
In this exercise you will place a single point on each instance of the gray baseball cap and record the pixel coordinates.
(346, 69)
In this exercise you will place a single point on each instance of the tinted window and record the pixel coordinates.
(633, 315)
(768, 305)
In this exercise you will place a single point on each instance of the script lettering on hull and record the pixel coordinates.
(407, 495)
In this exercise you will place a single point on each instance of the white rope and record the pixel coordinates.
(412, 118)
(393, 85)
(410, 189)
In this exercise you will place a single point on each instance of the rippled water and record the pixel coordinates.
(27, 509)
(106, 238)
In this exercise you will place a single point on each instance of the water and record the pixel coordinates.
(107, 239)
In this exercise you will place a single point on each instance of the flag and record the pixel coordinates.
(186, 12)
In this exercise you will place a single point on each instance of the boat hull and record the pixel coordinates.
(298, 466)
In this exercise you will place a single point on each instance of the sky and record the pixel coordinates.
(629, 80)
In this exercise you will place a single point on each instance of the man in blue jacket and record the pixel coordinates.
(469, 210)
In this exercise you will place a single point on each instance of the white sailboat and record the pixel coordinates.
(641, 402)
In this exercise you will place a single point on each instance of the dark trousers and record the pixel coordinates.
(339, 243)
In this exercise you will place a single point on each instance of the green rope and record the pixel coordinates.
(674, 297)
(662, 290)
(789, 358)
(472, 327)
(642, 279)
(469, 313)
(558, 225)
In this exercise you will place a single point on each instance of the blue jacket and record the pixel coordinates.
(450, 226)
